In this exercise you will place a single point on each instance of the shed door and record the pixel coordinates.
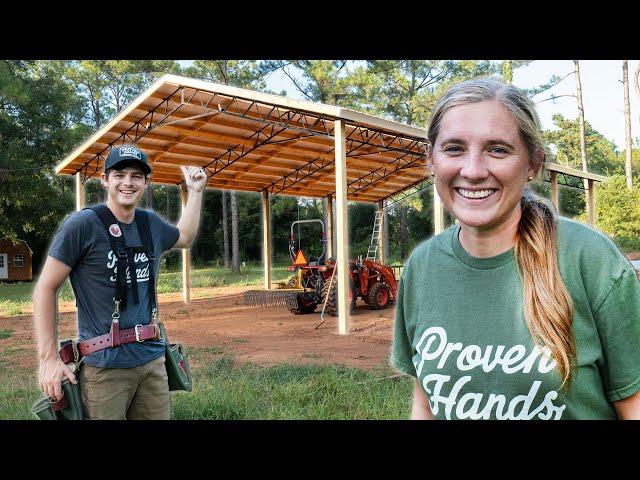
(4, 270)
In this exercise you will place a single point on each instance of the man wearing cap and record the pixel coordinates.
(127, 381)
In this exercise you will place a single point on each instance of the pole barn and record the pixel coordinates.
(273, 145)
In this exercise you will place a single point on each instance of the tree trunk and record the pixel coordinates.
(235, 263)
(583, 142)
(627, 123)
(507, 71)
(150, 197)
(225, 229)
(385, 232)
(404, 232)
(637, 82)
(167, 206)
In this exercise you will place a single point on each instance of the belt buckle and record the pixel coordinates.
(138, 332)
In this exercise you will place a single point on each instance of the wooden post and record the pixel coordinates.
(80, 195)
(186, 254)
(266, 236)
(342, 240)
(381, 242)
(329, 226)
(591, 196)
(438, 212)
(555, 197)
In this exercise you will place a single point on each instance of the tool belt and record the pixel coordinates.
(71, 352)
(69, 407)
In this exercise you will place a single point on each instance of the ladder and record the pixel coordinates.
(375, 236)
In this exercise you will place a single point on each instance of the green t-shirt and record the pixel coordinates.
(460, 329)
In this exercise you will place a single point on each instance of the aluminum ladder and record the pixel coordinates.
(375, 236)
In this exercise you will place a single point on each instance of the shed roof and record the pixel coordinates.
(19, 241)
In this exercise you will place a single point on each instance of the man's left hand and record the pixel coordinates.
(195, 178)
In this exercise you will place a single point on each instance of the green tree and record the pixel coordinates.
(324, 81)
(603, 157)
(635, 158)
(618, 208)
(602, 153)
(39, 124)
(238, 73)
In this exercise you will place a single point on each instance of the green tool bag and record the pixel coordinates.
(69, 408)
(177, 364)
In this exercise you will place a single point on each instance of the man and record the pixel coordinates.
(127, 380)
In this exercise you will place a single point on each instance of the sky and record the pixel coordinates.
(602, 92)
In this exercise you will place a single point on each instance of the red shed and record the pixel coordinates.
(15, 261)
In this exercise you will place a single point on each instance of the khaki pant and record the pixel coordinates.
(138, 393)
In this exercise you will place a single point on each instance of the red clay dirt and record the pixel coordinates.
(260, 335)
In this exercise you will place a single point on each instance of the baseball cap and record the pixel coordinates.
(123, 156)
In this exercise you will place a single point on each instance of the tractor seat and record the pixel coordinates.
(315, 262)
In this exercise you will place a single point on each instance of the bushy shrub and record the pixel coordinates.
(618, 209)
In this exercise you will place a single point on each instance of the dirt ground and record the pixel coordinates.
(261, 335)
(217, 318)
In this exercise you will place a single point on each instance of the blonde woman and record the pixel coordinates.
(514, 313)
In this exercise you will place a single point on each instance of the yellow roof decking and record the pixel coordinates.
(252, 141)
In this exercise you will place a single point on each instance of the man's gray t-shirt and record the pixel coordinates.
(82, 244)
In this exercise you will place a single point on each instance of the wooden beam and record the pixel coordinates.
(555, 197)
(266, 237)
(80, 195)
(438, 212)
(342, 240)
(591, 201)
(329, 226)
(554, 167)
(186, 254)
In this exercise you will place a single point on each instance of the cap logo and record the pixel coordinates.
(130, 152)
(114, 230)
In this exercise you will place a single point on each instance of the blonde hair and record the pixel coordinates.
(548, 307)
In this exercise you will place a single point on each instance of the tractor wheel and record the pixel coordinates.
(332, 293)
(379, 296)
(296, 302)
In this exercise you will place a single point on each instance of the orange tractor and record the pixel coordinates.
(373, 282)
(314, 282)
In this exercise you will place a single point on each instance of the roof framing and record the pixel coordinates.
(252, 141)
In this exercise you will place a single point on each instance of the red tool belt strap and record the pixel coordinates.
(139, 333)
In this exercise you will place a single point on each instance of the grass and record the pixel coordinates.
(219, 277)
(18, 389)
(230, 391)
(15, 298)
(225, 391)
(5, 333)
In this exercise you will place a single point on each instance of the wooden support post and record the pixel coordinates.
(266, 237)
(186, 254)
(381, 243)
(329, 226)
(555, 197)
(80, 195)
(438, 212)
(591, 202)
(342, 240)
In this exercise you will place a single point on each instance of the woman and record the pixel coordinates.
(514, 313)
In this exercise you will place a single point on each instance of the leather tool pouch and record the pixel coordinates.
(69, 407)
(177, 364)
